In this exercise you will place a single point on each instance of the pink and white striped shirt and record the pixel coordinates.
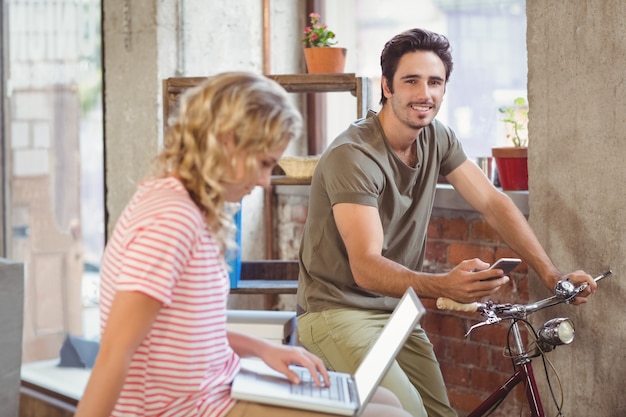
(162, 248)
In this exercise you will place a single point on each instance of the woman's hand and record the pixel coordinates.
(279, 357)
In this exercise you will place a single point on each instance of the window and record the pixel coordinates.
(54, 170)
(488, 39)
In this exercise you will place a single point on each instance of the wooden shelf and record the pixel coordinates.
(293, 83)
(317, 83)
(285, 180)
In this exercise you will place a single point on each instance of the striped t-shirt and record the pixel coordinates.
(162, 248)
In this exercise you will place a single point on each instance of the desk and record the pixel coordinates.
(47, 388)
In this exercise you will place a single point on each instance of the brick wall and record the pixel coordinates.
(472, 367)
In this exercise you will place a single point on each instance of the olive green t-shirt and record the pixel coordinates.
(359, 167)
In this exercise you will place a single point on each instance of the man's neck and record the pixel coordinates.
(401, 138)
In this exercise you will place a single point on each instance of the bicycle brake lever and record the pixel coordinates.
(490, 320)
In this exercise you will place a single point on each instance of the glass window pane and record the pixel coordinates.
(488, 39)
(54, 148)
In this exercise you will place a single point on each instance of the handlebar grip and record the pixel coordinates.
(444, 303)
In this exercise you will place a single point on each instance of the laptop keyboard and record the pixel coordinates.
(307, 386)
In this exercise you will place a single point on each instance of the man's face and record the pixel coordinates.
(418, 88)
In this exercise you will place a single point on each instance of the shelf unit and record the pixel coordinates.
(293, 83)
(254, 276)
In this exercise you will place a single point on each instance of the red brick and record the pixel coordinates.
(437, 251)
(494, 334)
(430, 323)
(481, 231)
(501, 361)
(463, 401)
(439, 345)
(455, 375)
(467, 353)
(487, 380)
(455, 229)
(446, 326)
(435, 228)
(459, 252)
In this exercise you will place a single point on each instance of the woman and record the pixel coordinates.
(165, 349)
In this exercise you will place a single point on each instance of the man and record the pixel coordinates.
(370, 203)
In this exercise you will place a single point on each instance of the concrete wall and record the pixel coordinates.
(577, 95)
(11, 307)
(145, 42)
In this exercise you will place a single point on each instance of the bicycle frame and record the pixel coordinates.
(523, 373)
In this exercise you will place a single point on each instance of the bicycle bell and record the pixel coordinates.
(564, 289)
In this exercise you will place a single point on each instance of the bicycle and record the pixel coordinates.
(554, 332)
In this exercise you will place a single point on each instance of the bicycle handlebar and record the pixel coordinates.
(564, 292)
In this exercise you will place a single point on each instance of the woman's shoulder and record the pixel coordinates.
(165, 198)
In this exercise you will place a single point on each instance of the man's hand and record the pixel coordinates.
(470, 281)
(579, 278)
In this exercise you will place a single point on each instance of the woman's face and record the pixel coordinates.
(241, 182)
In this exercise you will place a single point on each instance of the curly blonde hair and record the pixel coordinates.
(254, 108)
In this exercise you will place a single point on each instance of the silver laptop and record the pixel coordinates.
(347, 394)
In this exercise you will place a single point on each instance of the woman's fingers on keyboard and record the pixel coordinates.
(316, 366)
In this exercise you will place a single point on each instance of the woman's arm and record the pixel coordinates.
(130, 319)
(279, 357)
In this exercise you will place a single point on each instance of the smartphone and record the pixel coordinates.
(505, 264)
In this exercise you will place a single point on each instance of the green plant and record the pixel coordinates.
(318, 35)
(516, 116)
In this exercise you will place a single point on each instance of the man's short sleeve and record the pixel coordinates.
(351, 176)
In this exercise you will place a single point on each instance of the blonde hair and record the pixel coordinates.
(254, 108)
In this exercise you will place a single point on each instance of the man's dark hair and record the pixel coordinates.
(410, 41)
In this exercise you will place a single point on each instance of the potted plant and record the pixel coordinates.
(512, 161)
(320, 54)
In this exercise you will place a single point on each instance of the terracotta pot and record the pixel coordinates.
(512, 164)
(325, 60)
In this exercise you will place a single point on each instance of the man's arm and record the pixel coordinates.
(505, 218)
(361, 230)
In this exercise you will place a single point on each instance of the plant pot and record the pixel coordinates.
(325, 60)
(512, 164)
